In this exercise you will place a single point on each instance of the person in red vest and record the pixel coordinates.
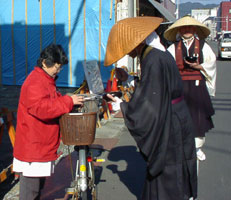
(37, 131)
(197, 65)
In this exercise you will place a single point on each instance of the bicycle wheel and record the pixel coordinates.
(87, 195)
(84, 195)
(91, 192)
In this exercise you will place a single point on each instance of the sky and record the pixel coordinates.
(201, 1)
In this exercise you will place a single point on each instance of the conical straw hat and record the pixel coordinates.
(201, 30)
(127, 34)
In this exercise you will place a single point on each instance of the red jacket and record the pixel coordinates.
(40, 105)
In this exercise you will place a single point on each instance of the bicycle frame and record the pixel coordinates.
(81, 170)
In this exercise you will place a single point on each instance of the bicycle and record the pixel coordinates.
(79, 129)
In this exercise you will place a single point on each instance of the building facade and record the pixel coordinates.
(207, 17)
(224, 17)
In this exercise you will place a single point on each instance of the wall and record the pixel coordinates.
(225, 11)
(80, 26)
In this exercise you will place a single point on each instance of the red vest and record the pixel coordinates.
(186, 72)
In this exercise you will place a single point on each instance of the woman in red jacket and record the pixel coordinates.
(37, 132)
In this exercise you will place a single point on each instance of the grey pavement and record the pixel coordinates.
(123, 172)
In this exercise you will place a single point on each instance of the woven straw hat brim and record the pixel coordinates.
(127, 34)
(201, 30)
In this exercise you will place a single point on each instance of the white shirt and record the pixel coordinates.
(33, 169)
(209, 64)
(153, 40)
(116, 104)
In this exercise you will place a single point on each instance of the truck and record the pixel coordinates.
(224, 45)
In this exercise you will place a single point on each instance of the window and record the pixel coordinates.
(227, 36)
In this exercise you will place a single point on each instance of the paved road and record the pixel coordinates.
(215, 176)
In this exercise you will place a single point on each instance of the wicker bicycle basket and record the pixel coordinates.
(78, 128)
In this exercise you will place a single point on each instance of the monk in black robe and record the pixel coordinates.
(163, 129)
(159, 121)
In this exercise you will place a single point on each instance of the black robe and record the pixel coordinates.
(163, 131)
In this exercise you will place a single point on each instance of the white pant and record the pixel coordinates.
(199, 141)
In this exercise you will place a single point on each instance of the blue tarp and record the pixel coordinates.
(27, 27)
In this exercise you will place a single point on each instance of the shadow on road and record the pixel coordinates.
(134, 173)
(7, 185)
(223, 104)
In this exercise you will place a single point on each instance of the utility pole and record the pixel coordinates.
(131, 13)
(227, 22)
(177, 9)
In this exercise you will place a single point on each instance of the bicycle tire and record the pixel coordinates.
(87, 195)
(84, 195)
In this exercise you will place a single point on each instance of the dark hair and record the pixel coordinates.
(52, 54)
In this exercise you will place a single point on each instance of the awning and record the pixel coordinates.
(166, 14)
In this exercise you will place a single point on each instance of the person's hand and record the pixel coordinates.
(77, 99)
(111, 97)
(194, 65)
